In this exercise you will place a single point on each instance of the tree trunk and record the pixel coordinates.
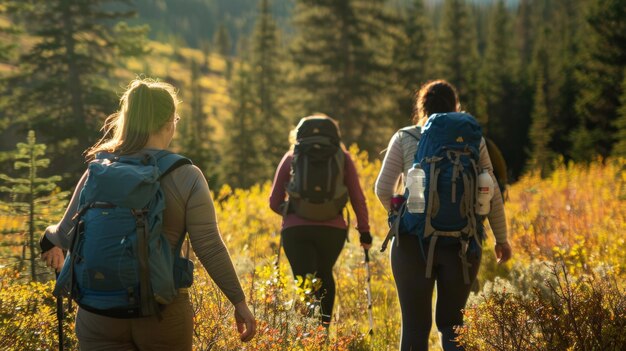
(74, 83)
(31, 219)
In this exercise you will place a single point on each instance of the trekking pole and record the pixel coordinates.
(369, 291)
(60, 317)
(280, 242)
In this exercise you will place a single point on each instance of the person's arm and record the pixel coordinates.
(355, 192)
(390, 172)
(206, 240)
(58, 237)
(207, 244)
(60, 234)
(281, 178)
(358, 201)
(497, 216)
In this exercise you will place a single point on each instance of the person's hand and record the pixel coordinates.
(366, 240)
(246, 324)
(503, 252)
(54, 258)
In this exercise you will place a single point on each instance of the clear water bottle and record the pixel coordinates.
(485, 193)
(416, 203)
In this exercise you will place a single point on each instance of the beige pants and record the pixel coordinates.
(173, 332)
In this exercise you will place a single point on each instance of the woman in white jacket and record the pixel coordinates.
(414, 289)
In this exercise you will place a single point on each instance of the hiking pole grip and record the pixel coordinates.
(369, 292)
(59, 316)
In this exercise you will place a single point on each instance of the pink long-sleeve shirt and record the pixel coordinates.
(351, 180)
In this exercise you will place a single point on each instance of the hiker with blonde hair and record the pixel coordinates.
(156, 312)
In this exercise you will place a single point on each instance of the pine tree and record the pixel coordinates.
(524, 31)
(269, 85)
(503, 101)
(412, 55)
(457, 52)
(8, 33)
(242, 160)
(603, 57)
(619, 149)
(223, 44)
(205, 46)
(59, 88)
(32, 196)
(222, 41)
(540, 133)
(497, 75)
(197, 135)
(563, 46)
(8, 55)
(341, 59)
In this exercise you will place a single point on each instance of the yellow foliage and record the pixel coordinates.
(575, 215)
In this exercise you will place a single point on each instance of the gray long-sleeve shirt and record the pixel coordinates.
(399, 159)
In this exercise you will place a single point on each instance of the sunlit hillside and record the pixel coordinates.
(574, 218)
(174, 65)
(168, 62)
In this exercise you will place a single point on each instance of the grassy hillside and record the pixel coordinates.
(173, 64)
(167, 62)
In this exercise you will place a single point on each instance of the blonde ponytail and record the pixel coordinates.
(145, 107)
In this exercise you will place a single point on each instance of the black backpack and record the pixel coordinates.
(316, 187)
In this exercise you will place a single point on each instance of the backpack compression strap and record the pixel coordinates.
(464, 235)
(167, 162)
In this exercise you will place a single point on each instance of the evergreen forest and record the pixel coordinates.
(546, 79)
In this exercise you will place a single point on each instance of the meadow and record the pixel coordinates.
(563, 289)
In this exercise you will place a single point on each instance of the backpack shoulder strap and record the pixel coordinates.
(413, 131)
(169, 161)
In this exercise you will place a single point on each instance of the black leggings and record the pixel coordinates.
(314, 250)
(415, 292)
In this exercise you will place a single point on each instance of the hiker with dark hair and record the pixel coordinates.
(124, 228)
(312, 184)
(431, 244)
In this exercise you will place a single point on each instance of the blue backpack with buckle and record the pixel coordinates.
(448, 152)
(120, 263)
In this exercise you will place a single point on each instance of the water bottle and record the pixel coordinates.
(416, 203)
(485, 193)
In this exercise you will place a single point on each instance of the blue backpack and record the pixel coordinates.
(448, 152)
(120, 263)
